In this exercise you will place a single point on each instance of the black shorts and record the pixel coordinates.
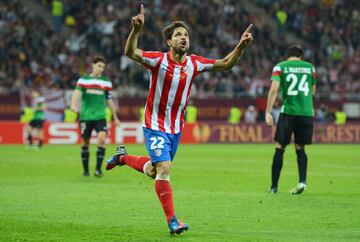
(301, 126)
(86, 127)
(37, 124)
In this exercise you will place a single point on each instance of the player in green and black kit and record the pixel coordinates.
(37, 122)
(296, 79)
(95, 91)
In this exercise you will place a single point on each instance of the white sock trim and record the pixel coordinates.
(162, 177)
(145, 165)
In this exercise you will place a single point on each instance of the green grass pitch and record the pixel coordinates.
(219, 190)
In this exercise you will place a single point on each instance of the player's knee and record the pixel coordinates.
(86, 142)
(101, 144)
(41, 134)
(101, 141)
(162, 177)
(150, 170)
(300, 152)
(163, 168)
(280, 146)
(151, 174)
(163, 171)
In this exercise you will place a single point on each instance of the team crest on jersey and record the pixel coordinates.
(185, 70)
(157, 152)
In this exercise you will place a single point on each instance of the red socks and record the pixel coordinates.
(162, 187)
(136, 162)
(164, 192)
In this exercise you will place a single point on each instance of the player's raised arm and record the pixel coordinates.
(233, 57)
(131, 46)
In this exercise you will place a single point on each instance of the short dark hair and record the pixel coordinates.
(294, 51)
(98, 58)
(169, 30)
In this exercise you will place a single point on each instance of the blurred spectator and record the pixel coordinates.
(26, 115)
(250, 115)
(234, 115)
(281, 17)
(31, 56)
(69, 115)
(191, 113)
(340, 117)
(57, 13)
(261, 107)
(108, 115)
(322, 114)
(141, 114)
(276, 111)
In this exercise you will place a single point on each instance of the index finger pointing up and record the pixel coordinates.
(249, 28)
(142, 9)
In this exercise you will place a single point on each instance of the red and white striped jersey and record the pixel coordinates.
(170, 85)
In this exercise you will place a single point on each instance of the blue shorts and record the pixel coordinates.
(160, 145)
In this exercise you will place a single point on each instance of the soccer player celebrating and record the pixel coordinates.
(37, 123)
(95, 92)
(171, 78)
(297, 80)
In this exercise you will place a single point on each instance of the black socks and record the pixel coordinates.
(85, 158)
(276, 167)
(302, 164)
(29, 138)
(99, 157)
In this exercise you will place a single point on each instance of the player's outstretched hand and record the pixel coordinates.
(138, 20)
(246, 37)
(269, 118)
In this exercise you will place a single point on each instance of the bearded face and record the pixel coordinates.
(179, 41)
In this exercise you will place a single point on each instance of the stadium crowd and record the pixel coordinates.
(38, 51)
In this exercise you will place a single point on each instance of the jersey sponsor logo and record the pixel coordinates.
(68, 133)
(95, 91)
(63, 133)
(129, 131)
